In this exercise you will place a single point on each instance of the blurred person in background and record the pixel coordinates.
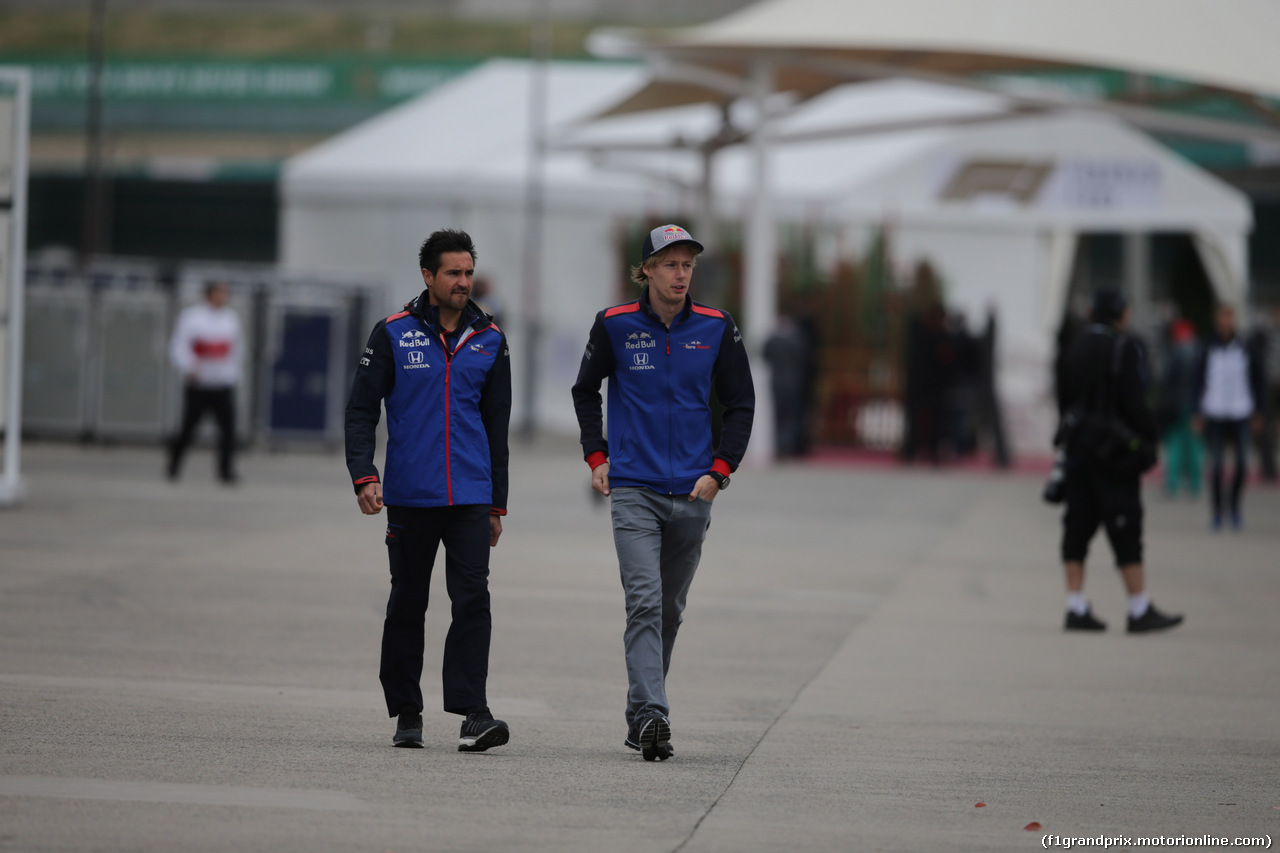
(930, 376)
(1229, 385)
(1109, 436)
(1264, 345)
(443, 370)
(205, 350)
(662, 354)
(1182, 451)
(788, 351)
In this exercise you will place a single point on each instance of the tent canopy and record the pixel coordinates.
(1091, 171)
(1228, 47)
(472, 132)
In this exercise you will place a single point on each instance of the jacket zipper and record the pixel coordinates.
(463, 337)
(448, 454)
(671, 467)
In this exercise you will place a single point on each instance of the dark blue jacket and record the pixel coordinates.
(448, 400)
(660, 384)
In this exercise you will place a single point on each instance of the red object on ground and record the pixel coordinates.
(1033, 826)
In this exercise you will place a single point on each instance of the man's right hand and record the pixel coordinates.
(600, 478)
(370, 498)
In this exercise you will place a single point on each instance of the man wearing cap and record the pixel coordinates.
(1102, 400)
(663, 354)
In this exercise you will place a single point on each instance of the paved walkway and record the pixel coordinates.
(868, 655)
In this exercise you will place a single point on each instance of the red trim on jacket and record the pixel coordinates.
(363, 480)
(721, 467)
(708, 312)
(493, 510)
(397, 316)
(595, 460)
(629, 308)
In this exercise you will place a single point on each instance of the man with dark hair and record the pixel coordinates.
(663, 354)
(1107, 426)
(443, 370)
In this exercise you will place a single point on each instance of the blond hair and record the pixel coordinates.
(640, 273)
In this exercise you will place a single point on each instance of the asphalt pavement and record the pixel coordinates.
(872, 659)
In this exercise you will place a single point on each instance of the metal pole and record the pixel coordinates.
(535, 203)
(12, 488)
(761, 258)
(94, 192)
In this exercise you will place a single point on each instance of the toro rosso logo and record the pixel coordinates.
(695, 345)
(640, 340)
(415, 338)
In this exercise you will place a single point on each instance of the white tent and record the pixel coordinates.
(459, 157)
(993, 202)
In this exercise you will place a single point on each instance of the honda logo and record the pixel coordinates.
(640, 358)
(415, 357)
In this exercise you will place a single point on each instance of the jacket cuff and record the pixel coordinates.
(595, 460)
(364, 481)
(494, 510)
(719, 466)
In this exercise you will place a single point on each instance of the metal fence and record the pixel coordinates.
(96, 363)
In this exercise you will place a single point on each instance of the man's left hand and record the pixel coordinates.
(706, 488)
(495, 530)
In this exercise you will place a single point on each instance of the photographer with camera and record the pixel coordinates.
(1106, 441)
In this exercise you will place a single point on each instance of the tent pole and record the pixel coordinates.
(12, 486)
(760, 251)
(1136, 264)
(535, 210)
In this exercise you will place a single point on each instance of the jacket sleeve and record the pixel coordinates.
(1257, 352)
(495, 413)
(180, 354)
(734, 388)
(374, 379)
(597, 365)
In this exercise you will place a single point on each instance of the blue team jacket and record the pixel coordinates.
(448, 401)
(660, 383)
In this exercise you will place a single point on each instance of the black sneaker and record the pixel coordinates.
(1153, 620)
(480, 731)
(1084, 622)
(408, 731)
(630, 744)
(650, 733)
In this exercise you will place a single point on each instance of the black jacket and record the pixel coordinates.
(1092, 381)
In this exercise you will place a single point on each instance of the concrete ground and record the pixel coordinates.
(867, 657)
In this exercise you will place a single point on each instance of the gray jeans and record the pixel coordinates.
(659, 542)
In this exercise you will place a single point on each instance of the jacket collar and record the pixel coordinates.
(422, 308)
(646, 308)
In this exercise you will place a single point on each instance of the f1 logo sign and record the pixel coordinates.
(640, 358)
(415, 357)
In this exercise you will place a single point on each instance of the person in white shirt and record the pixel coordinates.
(205, 349)
(1229, 387)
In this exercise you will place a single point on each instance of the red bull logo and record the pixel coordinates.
(674, 233)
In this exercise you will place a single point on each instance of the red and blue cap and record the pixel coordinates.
(665, 236)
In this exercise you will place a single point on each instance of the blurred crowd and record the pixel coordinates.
(1213, 388)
